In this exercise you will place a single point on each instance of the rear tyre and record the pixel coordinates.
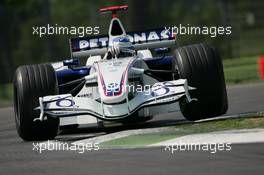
(201, 65)
(30, 83)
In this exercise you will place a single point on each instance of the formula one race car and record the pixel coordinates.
(121, 82)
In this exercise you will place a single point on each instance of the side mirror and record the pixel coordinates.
(162, 50)
(71, 62)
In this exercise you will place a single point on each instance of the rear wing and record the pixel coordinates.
(89, 46)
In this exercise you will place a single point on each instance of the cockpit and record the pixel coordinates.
(120, 45)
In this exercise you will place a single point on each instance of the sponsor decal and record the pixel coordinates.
(161, 89)
(113, 89)
(64, 102)
(86, 43)
(85, 95)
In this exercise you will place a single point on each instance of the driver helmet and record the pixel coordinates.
(122, 47)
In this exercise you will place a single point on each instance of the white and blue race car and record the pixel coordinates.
(121, 82)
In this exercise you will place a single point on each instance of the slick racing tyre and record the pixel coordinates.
(201, 65)
(30, 83)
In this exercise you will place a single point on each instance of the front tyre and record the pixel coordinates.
(30, 83)
(201, 65)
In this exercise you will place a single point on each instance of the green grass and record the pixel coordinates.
(139, 140)
(187, 129)
(241, 70)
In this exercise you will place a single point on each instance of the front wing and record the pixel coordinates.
(67, 105)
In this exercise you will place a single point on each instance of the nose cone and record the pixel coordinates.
(114, 92)
(112, 79)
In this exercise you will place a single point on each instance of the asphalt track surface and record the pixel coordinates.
(17, 156)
